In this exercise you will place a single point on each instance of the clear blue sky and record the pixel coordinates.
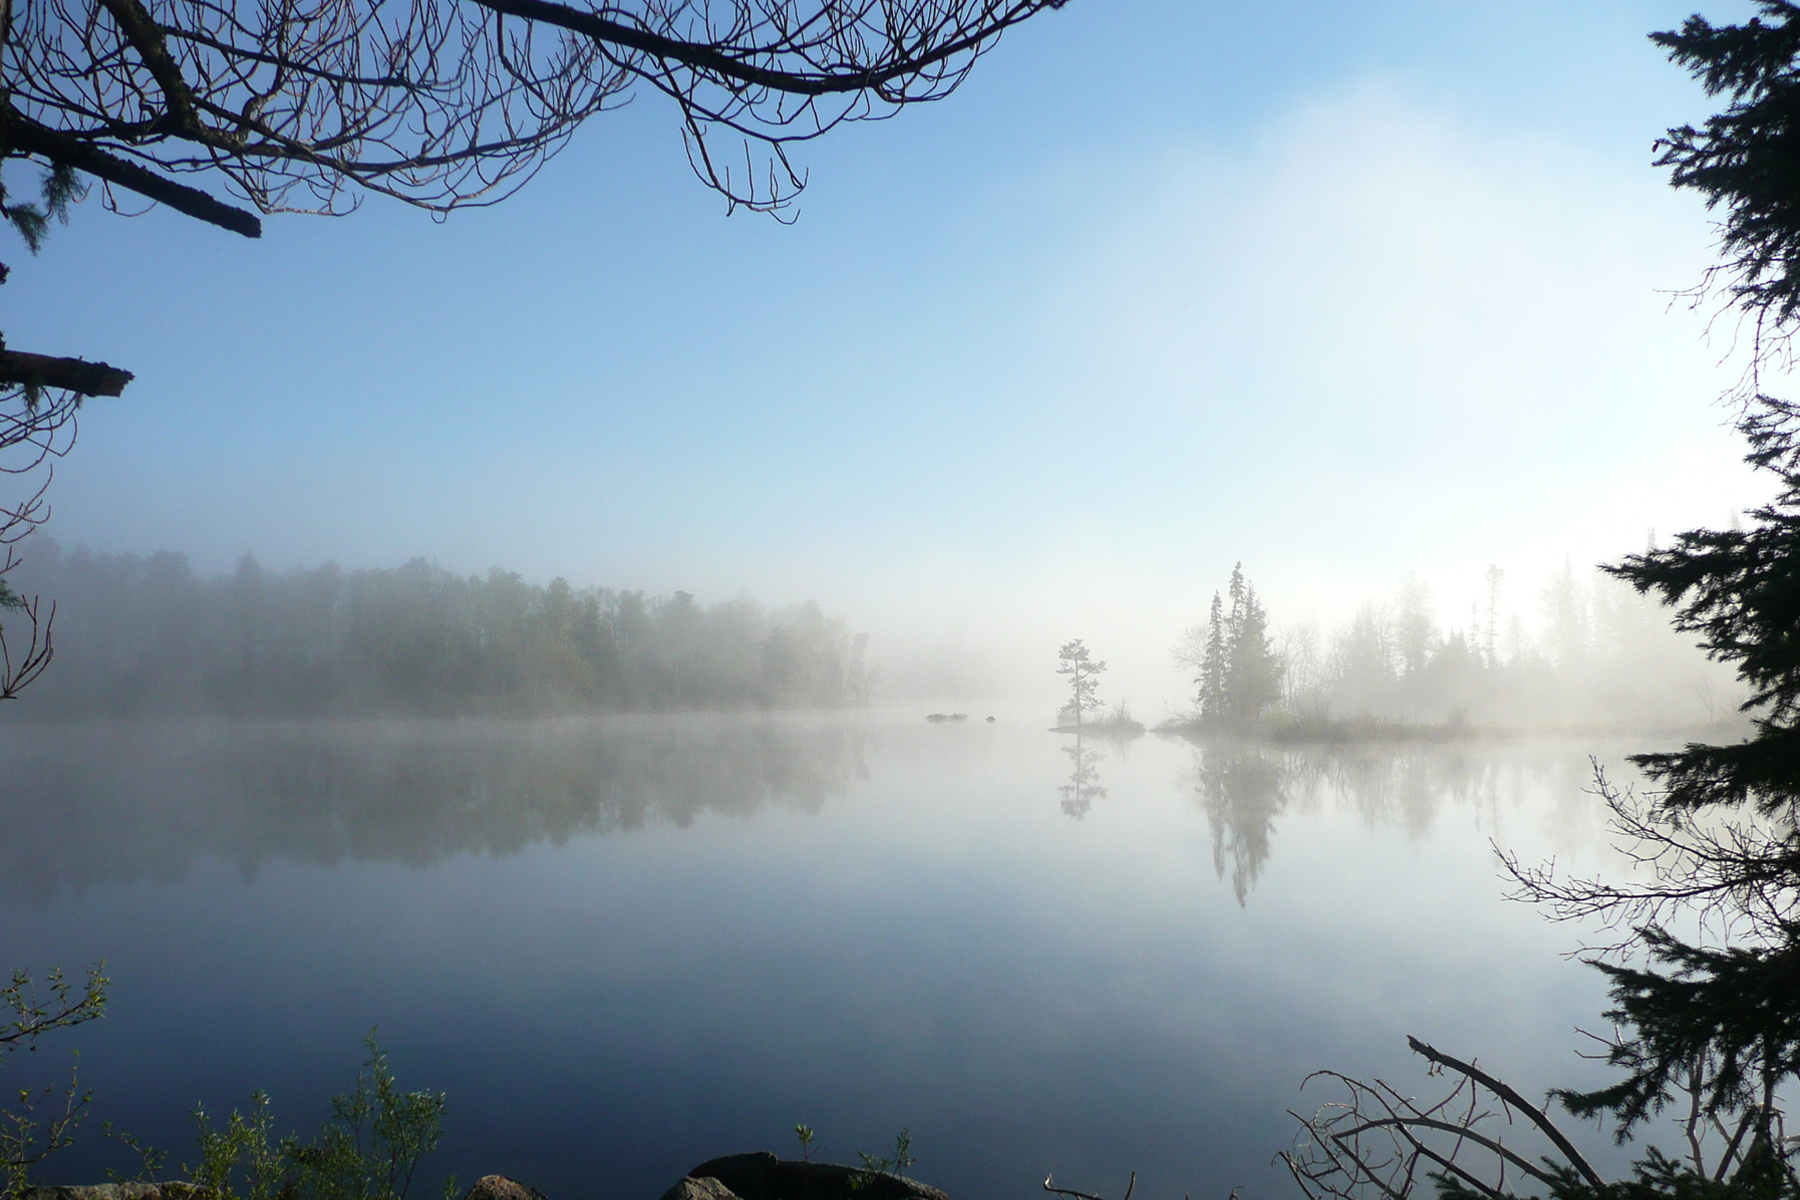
(1340, 290)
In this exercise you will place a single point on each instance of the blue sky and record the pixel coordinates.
(1339, 290)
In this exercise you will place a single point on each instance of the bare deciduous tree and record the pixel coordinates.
(302, 105)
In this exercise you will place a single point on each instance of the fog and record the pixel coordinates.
(152, 636)
(610, 639)
(623, 943)
(1370, 323)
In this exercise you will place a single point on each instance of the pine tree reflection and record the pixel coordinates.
(1083, 788)
(1245, 787)
(93, 802)
(1242, 789)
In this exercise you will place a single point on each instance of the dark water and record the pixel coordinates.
(626, 946)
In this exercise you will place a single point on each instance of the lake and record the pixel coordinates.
(626, 945)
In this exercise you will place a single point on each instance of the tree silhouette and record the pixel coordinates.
(1083, 672)
(1718, 1026)
(1239, 667)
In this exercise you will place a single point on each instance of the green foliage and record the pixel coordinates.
(1722, 1023)
(58, 188)
(43, 1121)
(370, 1149)
(805, 1134)
(239, 1162)
(895, 1163)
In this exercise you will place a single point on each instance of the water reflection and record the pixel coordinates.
(1243, 788)
(1083, 788)
(86, 803)
(943, 949)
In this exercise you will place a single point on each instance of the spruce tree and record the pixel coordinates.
(1212, 665)
(1719, 1025)
(1252, 666)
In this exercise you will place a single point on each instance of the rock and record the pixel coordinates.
(497, 1187)
(112, 1191)
(762, 1176)
(699, 1189)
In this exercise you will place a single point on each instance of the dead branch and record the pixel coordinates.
(19, 369)
(1049, 1187)
(1732, 874)
(18, 674)
(1512, 1098)
(1381, 1142)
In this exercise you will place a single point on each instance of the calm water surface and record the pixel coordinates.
(624, 946)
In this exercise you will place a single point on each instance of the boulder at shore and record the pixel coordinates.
(762, 1176)
(759, 1176)
(499, 1187)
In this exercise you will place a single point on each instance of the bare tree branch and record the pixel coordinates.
(302, 105)
(1378, 1142)
(19, 369)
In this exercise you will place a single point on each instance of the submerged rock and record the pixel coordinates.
(762, 1176)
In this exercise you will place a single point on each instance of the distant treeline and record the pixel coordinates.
(147, 635)
(1597, 655)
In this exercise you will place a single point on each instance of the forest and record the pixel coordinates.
(1599, 657)
(148, 635)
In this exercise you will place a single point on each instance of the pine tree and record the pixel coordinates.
(1252, 666)
(1212, 665)
(1722, 1023)
(1083, 672)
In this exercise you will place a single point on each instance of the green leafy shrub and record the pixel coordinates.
(41, 1122)
(370, 1149)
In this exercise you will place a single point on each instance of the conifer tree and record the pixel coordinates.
(1083, 672)
(1718, 1024)
(1252, 666)
(1212, 665)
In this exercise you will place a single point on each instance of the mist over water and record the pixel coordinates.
(626, 944)
(609, 646)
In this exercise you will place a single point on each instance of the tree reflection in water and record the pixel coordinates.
(1083, 788)
(1243, 787)
(1242, 790)
(90, 802)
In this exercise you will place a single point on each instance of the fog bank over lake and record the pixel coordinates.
(626, 944)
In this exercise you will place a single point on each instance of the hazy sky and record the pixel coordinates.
(1340, 290)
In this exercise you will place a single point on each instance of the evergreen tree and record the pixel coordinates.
(1252, 680)
(1415, 632)
(1722, 1024)
(1083, 672)
(1212, 665)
